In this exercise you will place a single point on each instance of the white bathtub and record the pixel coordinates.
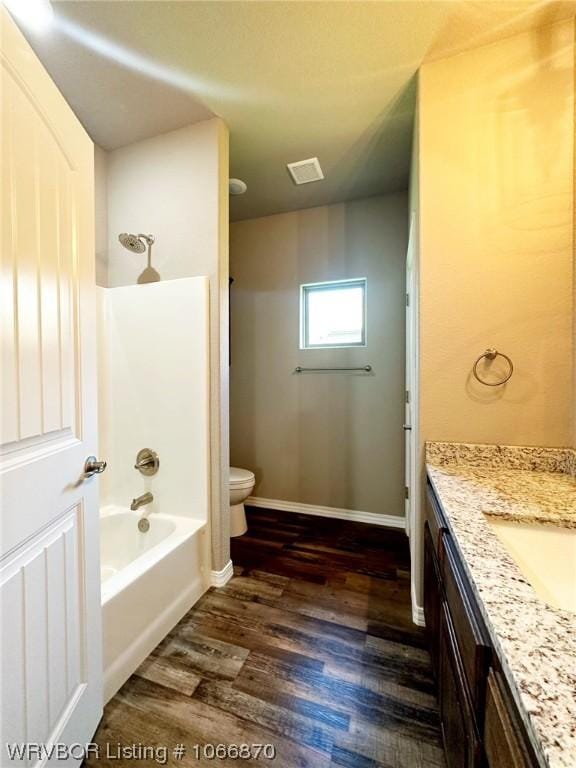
(149, 581)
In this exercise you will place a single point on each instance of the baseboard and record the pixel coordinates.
(417, 610)
(221, 578)
(388, 521)
(418, 616)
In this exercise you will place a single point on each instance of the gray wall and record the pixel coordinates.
(325, 439)
(101, 215)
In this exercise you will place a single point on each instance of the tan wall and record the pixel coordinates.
(574, 254)
(326, 439)
(494, 188)
(175, 186)
(496, 199)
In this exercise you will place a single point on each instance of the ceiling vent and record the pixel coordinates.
(305, 171)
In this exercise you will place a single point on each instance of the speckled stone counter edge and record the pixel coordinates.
(532, 458)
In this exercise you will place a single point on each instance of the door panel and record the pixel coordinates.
(42, 598)
(41, 210)
(49, 551)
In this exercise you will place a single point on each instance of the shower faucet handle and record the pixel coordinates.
(147, 462)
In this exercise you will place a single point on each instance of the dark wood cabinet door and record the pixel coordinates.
(470, 637)
(432, 598)
(504, 738)
(461, 742)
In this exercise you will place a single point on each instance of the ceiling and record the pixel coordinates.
(291, 79)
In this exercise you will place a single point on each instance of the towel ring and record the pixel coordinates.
(492, 354)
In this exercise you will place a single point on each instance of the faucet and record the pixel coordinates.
(141, 501)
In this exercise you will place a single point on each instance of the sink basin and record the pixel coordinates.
(546, 557)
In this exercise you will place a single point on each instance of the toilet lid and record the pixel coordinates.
(240, 476)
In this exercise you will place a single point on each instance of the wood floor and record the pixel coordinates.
(310, 648)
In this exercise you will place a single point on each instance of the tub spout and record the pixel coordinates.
(141, 501)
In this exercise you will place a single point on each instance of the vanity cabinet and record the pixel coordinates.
(481, 726)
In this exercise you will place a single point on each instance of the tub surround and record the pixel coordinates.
(150, 579)
(535, 643)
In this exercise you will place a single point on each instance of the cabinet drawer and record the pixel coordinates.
(470, 638)
(461, 741)
(435, 519)
(503, 732)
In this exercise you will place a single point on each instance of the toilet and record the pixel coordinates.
(241, 486)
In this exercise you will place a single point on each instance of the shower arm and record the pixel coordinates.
(148, 239)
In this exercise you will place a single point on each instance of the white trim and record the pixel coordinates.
(417, 610)
(221, 578)
(415, 526)
(418, 616)
(388, 521)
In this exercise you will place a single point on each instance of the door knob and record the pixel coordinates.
(93, 467)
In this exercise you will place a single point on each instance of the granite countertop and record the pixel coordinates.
(536, 643)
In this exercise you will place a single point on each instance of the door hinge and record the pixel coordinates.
(406, 492)
(407, 396)
(407, 299)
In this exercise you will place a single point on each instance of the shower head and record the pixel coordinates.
(132, 242)
(135, 243)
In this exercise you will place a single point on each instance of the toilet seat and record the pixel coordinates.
(242, 483)
(241, 478)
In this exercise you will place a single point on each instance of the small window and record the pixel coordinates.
(333, 314)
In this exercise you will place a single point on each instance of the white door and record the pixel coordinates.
(409, 425)
(51, 684)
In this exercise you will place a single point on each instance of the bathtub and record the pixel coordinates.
(149, 581)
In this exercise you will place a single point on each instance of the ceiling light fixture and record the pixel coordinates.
(237, 186)
(36, 15)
